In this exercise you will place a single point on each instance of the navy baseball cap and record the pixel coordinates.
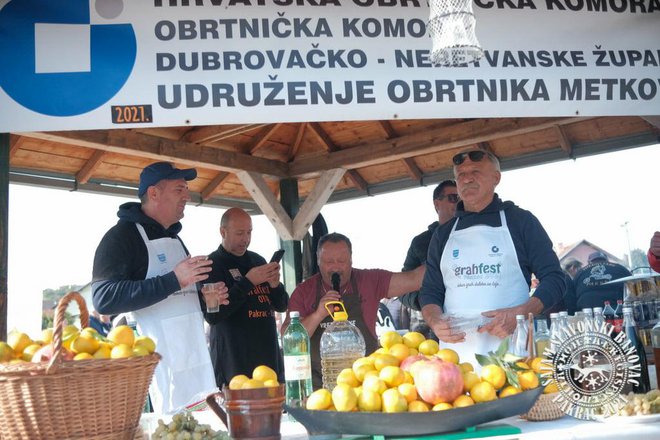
(158, 171)
(597, 256)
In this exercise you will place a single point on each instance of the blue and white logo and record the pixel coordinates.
(56, 62)
(454, 253)
(494, 249)
(162, 258)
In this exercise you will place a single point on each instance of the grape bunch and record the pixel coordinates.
(185, 427)
(641, 404)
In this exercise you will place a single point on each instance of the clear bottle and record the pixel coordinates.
(297, 362)
(608, 313)
(555, 331)
(542, 337)
(630, 329)
(588, 319)
(563, 319)
(599, 320)
(342, 344)
(518, 345)
(655, 340)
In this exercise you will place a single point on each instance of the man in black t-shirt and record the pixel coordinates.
(590, 288)
(244, 333)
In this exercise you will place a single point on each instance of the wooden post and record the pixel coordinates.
(4, 230)
(292, 261)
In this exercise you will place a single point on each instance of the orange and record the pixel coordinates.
(236, 382)
(121, 351)
(29, 351)
(82, 356)
(494, 375)
(444, 405)
(390, 338)
(536, 364)
(509, 391)
(344, 398)
(252, 383)
(418, 406)
(528, 380)
(140, 351)
(375, 384)
(413, 339)
(466, 366)
(6, 352)
(428, 347)
(319, 399)
(483, 392)
(408, 391)
(362, 371)
(369, 401)
(551, 388)
(18, 341)
(47, 335)
(462, 401)
(146, 342)
(470, 379)
(103, 352)
(384, 360)
(264, 373)
(361, 362)
(85, 344)
(392, 376)
(449, 355)
(122, 334)
(348, 377)
(271, 383)
(399, 351)
(393, 401)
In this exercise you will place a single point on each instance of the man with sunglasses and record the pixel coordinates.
(480, 263)
(445, 198)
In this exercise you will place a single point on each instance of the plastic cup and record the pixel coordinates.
(210, 292)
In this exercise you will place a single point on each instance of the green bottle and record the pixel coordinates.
(297, 362)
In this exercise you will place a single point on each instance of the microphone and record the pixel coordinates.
(335, 281)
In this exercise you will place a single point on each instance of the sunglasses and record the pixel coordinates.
(451, 198)
(475, 156)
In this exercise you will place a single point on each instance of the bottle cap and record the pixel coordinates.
(294, 314)
(554, 315)
(563, 313)
(627, 309)
(336, 310)
(520, 316)
(598, 309)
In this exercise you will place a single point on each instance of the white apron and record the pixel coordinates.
(176, 324)
(481, 272)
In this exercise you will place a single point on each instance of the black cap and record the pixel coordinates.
(597, 256)
(158, 171)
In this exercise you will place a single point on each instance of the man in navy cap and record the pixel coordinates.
(142, 266)
(589, 282)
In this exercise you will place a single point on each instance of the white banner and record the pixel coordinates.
(82, 64)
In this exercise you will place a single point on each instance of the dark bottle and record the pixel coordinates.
(630, 329)
(618, 316)
(608, 313)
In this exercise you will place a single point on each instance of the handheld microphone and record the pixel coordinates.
(335, 281)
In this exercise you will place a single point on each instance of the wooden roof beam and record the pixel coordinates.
(408, 162)
(268, 203)
(154, 148)
(15, 143)
(653, 120)
(564, 143)
(330, 146)
(90, 166)
(431, 141)
(261, 138)
(214, 133)
(213, 185)
(323, 189)
(296, 143)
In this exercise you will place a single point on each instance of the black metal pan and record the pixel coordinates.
(321, 423)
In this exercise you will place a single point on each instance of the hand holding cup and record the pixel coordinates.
(215, 294)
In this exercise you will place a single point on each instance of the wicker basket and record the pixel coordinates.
(544, 409)
(96, 399)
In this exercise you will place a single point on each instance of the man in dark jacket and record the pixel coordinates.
(480, 264)
(244, 334)
(142, 266)
(590, 290)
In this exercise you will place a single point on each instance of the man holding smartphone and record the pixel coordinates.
(244, 333)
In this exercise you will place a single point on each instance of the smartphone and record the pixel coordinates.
(277, 256)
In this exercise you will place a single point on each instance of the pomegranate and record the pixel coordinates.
(407, 362)
(438, 381)
(45, 354)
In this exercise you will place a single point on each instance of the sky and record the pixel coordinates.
(53, 233)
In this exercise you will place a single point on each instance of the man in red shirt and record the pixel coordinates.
(654, 252)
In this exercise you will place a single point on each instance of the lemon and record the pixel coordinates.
(361, 362)
(399, 351)
(409, 378)
(264, 373)
(444, 405)
(140, 351)
(370, 373)
(82, 356)
(237, 381)
(409, 392)
(270, 383)
(393, 401)
(536, 364)
(466, 366)
(362, 371)
(252, 383)
(85, 344)
(390, 338)
(509, 391)
(344, 398)
(146, 342)
(384, 360)
(470, 379)
(494, 375)
(103, 352)
(392, 376)
(413, 339)
(318, 400)
(122, 334)
(120, 351)
(428, 347)
(375, 384)
(551, 388)
(18, 341)
(449, 355)
(462, 401)
(528, 380)
(369, 401)
(483, 392)
(6, 352)
(347, 376)
(47, 335)
(29, 351)
(69, 333)
(414, 352)
(522, 364)
(418, 406)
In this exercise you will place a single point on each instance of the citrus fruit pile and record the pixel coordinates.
(78, 344)
(262, 377)
(414, 374)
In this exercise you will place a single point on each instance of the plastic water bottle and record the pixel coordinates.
(599, 320)
(342, 344)
(297, 362)
(542, 337)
